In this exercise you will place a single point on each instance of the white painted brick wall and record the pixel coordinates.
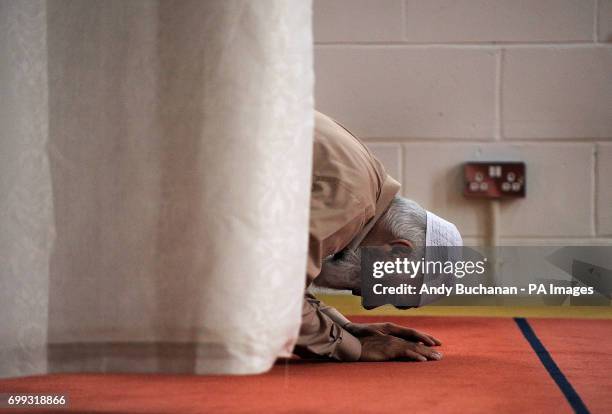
(357, 20)
(402, 91)
(557, 92)
(431, 84)
(604, 184)
(499, 20)
(558, 203)
(391, 157)
(605, 21)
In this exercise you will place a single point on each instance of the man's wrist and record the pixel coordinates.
(349, 348)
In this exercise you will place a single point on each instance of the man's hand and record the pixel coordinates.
(377, 329)
(377, 348)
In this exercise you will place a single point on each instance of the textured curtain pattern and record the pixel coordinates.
(154, 180)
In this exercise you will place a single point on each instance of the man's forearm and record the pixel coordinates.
(323, 336)
(332, 312)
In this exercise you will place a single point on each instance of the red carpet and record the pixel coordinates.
(583, 351)
(488, 366)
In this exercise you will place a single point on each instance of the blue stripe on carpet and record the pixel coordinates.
(553, 369)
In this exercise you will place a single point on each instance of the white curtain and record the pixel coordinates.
(155, 165)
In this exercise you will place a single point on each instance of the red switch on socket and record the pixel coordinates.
(494, 179)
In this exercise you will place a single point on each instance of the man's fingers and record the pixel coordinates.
(388, 347)
(414, 355)
(426, 339)
(401, 332)
(406, 349)
(413, 335)
(424, 351)
(435, 340)
(427, 352)
(420, 352)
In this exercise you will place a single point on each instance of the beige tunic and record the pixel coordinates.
(349, 187)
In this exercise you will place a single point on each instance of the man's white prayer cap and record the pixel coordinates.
(442, 243)
(441, 233)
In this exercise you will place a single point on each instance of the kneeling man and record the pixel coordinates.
(354, 203)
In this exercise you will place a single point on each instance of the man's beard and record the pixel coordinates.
(341, 271)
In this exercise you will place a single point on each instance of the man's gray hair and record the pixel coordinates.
(407, 220)
(404, 219)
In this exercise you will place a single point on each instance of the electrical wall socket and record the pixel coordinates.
(493, 179)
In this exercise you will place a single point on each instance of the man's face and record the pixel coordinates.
(343, 270)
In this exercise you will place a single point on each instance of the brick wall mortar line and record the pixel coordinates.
(463, 140)
(596, 22)
(595, 185)
(454, 45)
(499, 62)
